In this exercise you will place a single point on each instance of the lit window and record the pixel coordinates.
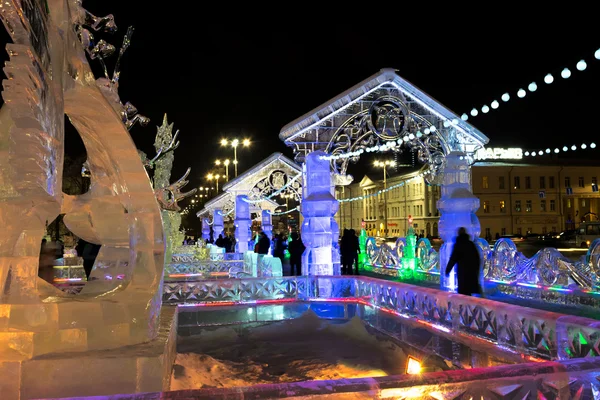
(484, 182)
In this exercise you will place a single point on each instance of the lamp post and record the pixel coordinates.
(226, 164)
(384, 165)
(216, 177)
(235, 143)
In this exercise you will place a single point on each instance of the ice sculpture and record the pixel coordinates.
(267, 227)
(168, 194)
(205, 229)
(457, 206)
(242, 223)
(49, 76)
(409, 260)
(362, 244)
(318, 208)
(217, 224)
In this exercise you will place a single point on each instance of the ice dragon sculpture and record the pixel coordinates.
(49, 76)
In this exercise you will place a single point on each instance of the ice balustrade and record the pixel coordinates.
(503, 264)
(536, 333)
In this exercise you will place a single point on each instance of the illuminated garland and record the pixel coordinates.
(532, 87)
(389, 145)
(284, 212)
(275, 193)
(557, 150)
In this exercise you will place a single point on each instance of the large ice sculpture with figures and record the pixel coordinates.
(48, 76)
(319, 229)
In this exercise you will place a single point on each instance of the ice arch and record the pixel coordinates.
(386, 109)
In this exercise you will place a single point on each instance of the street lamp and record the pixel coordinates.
(385, 165)
(226, 164)
(216, 177)
(235, 143)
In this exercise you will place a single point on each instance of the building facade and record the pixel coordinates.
(416, 199)
(515, 198)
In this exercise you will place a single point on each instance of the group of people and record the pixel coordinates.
(53, 250)
(227, 242)
(279, 244)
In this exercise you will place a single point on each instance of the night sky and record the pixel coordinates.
(220, 78)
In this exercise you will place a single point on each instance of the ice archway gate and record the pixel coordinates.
(48, 77)
(382, 110)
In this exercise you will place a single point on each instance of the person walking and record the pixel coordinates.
(466, 257)
(296, 248)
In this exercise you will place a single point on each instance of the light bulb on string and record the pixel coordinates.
(495, 104)
(549, 79)
(566, 73)
(521, 93)
(505, 97)
(581, 65)
(532, 87)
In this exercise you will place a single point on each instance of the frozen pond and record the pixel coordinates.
(247, 345)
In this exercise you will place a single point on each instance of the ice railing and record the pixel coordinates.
(201, 261)
(524, 330)
(502, 264)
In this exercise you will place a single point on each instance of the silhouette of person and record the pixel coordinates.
(466, 256)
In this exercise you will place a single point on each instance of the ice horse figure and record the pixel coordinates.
(48, 76)
(318, 208)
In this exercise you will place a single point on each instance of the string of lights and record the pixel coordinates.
(275, 193)
(534, 153)
(532, 87)
(389, 145)
(284, 212)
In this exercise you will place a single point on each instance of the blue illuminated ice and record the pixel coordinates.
(319, 229)
(243, 223)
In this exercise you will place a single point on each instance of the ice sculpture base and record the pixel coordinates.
(144, 367)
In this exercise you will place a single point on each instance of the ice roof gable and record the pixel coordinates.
(226, 203)
(274, 173)
(382, 108)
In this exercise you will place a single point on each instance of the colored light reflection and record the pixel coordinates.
(59, 280)
(413, 366)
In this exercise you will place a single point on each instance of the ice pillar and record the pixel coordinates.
(457, 206)
(205, 229)
(267, 227)
(217, 224)
(318, 209)
(242, 223)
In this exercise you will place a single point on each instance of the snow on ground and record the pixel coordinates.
(306, 348)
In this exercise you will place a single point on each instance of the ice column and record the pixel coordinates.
(217, 223)
(242, 223)
(457, 206)
(267, 226)
(318, 209)
(205, 229)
